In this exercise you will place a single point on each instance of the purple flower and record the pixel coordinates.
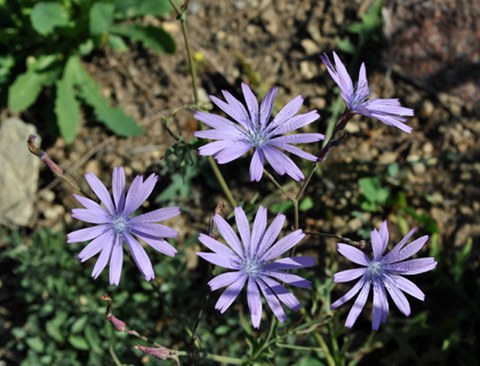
(253, 129)
(383, 273)
(389, 111)
(115, 225)
(251, 259)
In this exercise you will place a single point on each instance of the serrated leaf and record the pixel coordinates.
(24, 91)
(114, 118)
(78, 342)
(126, 9)
(67, 107)
(101, 18)
(45, 16)
(54, 330)
(151, 37)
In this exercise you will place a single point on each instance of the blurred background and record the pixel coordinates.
(106, 83)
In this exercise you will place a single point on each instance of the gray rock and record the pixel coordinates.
(19, 173)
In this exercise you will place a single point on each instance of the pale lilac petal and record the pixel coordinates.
(409, 250)
(243, 226)
(290, 263)
(153, 231)
(413, 266)
(389, 107)
(214, 147)
(348, 275)
(104, 240)
(344, 80)
(140, 257)
(267, 106)
(91, 216)
(284, 244)
(256, 165)
(236, 110)
(154, 216)
(252, 103)
(100, 191)
(86, 234)
(390, 257)
(91, 205)
(218, 247)
(383, 232)
(116, 262)
(232, 152)
(220, 260)
(349, 294)
(138, 193)
(377, 244)
(379, 300)
(272, 301)
(295, 150)
(258, 229)
(269, 236)
(230, 294)
(119, 189)
(298, 138)
(282, 293)
(297, 122)
(254, 303)
(362, 90)
(102, 260)
(229, 235)
(289, 278)
(160, 245)
(233, 134)
(214, 120)
(408, 286)
(281, 163)
(398, 297)
(353, 254)
(287, 112)
(358, 305)
(233, 108)
(224, 280)
(392, 121)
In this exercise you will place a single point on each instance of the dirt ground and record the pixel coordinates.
(267, 43)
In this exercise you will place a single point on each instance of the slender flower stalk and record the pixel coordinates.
(384, 273)
(116, 225)
(357, 98)
(252, 261)
(251, 128)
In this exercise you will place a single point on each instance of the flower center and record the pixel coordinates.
(120, 224)
(256, 137)
(251, 267)
(375, 270)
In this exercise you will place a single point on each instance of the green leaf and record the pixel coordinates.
(151, 37)
(54, 330)
(117, 43)
(372, 189)
(45, 16)
(114, 118)
(25, 90)
(67, 107)
(78, 342)
(101, 18)
(126, 9)
(35, 344)
(306, 204)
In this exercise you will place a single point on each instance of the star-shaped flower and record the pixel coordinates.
(383, 273)
(251, 128)
(252, 261)
(116, 225)
(389, 111)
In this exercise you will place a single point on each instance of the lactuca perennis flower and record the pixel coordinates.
(384, 273)
(251, 128)
(116, 225)
(389, 111)
(252, 261)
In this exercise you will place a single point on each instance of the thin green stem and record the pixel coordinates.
(182, 18)
(278, 185)
(360, 244)
(216, 358)
(115, 358)
(265, 344)
(326, 351)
